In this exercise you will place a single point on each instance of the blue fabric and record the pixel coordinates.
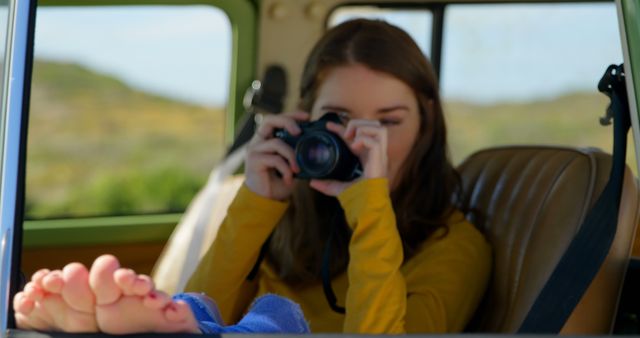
(268, 314)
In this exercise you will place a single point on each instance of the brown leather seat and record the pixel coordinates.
(530, 201)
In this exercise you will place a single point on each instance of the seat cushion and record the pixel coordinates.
(529, 201)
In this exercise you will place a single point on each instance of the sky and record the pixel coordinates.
(491, 53)
(182, 52)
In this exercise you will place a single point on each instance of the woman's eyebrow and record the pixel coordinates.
(335, 108)
(392, 108)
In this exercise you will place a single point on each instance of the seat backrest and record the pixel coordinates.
(530, 201)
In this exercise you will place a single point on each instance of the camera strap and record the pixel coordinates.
(325, 272)
(256, 267)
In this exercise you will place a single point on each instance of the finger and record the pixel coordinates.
(319, 185)
(289, 122)
(277, 163)
(299, 115)
(364, 142)
(277, 146)
(378, 133)
(356, 124)
(329, 187)
(336, 128)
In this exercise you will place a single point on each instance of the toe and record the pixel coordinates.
(33, 292)
(143, 285)
(125, 279)
(38, 275)
(156, 300)
(53, 282)
(179, 313)
(132, 284)
(102, 281)
(76, 291)
(22, 304)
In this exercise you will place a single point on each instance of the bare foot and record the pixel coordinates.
(57, 301)
(128, 303)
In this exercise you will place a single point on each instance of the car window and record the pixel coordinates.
(527, 74)
(417, 22)
(125, 118)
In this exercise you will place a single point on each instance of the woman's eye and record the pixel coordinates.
(344, 117)
(389, 122)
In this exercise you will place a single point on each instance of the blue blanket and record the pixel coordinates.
(268, 314)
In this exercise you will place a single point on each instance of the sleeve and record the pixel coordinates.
(222, 271)
(447, 279)
(438, 290)
(376, 298)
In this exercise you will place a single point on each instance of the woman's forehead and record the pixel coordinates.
(354, 86)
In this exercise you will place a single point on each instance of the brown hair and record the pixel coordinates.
(423, 198)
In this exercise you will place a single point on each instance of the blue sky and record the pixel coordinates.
(182, 52)
(491, 52)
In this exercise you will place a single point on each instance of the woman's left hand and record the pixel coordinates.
(367, 139)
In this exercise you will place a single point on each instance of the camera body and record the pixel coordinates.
(320, 153)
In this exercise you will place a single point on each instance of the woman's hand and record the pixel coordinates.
(270, 162)
(367, 139)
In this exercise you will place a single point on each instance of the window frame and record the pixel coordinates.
(629, 21)
(242, 16)
(16, 90)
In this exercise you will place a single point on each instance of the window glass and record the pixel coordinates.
(416, 22)
(527, 74)
(125, 118)
(4, 24)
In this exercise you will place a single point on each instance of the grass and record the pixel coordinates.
(99, 147)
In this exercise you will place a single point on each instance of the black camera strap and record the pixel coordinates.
(256, 267)
(591, 244)
(325, 272)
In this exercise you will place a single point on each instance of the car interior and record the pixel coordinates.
(529, 198)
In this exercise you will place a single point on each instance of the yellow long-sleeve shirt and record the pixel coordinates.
(437, 290)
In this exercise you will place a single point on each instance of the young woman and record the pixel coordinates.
(388, 252)
(402, 258)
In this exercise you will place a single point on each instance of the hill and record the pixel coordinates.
(98, 146)
(571, 119)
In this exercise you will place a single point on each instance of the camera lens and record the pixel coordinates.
(316, 154)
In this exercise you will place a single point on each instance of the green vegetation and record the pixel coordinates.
(99, 147)
(570, 120)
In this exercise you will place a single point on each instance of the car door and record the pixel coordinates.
(16, 33)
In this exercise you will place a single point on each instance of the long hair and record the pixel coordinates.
(423, 197)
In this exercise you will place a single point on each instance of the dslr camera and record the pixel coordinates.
(320, 153)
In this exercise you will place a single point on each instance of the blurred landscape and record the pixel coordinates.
(99, 147)
(571, 120)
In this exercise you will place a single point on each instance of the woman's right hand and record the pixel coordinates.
(270, 162)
